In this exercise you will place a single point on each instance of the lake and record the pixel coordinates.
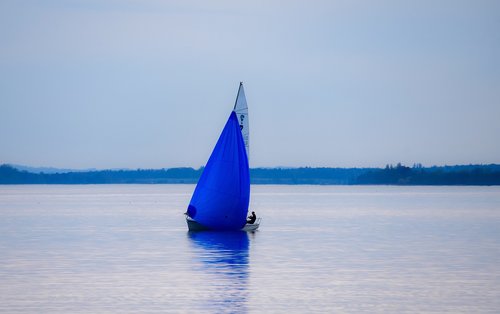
(342, 249)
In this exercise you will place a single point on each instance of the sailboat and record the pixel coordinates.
(221, 197)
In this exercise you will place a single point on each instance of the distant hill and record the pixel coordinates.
(395, 175)
(46, 169)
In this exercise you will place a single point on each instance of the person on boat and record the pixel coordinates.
(252, 218)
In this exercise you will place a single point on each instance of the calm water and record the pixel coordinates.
(126, 249)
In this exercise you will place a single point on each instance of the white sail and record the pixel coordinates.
(241, 110)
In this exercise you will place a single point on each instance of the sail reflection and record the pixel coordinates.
(223, 261)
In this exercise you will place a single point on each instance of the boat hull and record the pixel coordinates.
(193, 225)
(251, 227)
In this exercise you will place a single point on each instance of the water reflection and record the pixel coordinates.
(222, 259)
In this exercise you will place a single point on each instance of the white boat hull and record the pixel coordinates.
(251, 227)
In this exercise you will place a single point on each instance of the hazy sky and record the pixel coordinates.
(150, 84)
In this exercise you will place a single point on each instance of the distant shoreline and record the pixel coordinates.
(390, 175)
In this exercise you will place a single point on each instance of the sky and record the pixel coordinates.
(150, 83)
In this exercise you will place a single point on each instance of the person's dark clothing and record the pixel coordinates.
(252, 218)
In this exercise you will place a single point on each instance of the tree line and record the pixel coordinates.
(394, 175)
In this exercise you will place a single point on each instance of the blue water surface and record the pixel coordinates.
(344, 249)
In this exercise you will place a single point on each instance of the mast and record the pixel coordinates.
(237, 95)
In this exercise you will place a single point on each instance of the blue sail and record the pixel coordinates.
(220, 200)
